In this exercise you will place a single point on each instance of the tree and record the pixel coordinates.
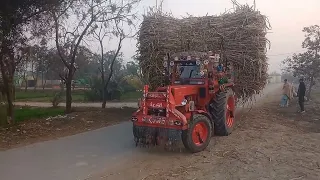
(132, 68)
(109, 29)
(37, 63)
(113, 56)
(84, 59)
(132, 75)
(68, 38)
(14, 17)
(307, 64)
(97, 91)
(289, 76)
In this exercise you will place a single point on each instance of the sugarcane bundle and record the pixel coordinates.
(240, 36)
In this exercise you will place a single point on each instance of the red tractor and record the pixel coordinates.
(197, 102)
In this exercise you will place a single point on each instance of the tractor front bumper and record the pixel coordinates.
(152, 136)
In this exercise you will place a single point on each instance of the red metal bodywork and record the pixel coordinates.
(169, 100)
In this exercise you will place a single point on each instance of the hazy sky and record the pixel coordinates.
(287, 18)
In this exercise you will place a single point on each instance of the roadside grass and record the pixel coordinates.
(46, 95)
(131, 96)
(27, 113)
(77, 96)
(316, 96)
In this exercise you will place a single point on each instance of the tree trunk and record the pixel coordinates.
(104, 90)
(44, 84)
(68, 94)
(26, 85)
(104, 99)
(36, 83)
(10, 110)
(104, 103)
(106, 83)
(310, 88)
(3, 106)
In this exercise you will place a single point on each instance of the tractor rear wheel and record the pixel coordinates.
(197, 137)
(223, 112)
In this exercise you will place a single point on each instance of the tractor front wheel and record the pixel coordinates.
(197, 137)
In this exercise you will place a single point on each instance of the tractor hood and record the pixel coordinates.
(179, 92)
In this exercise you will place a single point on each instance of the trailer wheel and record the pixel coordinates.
(197, 137)
(223, 112)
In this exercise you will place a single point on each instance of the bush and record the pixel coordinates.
(57, 99)
(95, 93)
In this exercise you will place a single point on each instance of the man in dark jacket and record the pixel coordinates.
(301, 93)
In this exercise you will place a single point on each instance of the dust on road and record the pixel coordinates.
(268, 143)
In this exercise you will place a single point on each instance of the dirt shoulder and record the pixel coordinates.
(84, 119)
(269, 142)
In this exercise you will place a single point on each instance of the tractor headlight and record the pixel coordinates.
(184, 102)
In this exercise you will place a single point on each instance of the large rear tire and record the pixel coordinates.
(197, 137)
(223, 112)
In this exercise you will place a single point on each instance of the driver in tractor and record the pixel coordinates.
(187, 73)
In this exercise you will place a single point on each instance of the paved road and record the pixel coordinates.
(74, 157)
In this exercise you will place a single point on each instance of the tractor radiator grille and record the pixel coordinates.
(157, 112)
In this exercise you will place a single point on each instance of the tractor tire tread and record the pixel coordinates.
(218, 106)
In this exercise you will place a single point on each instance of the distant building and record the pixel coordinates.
(274, 78)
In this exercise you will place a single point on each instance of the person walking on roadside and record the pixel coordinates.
(301, 94)
(291, 93)
(286, 94)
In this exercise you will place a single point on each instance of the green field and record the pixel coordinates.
(77, 96)
(45, 96)
(26, 113)
(131, 96)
